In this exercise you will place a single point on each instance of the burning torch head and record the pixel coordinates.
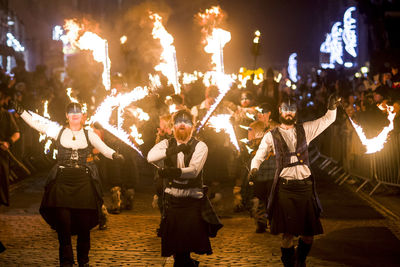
(183, 125)
(288, 111)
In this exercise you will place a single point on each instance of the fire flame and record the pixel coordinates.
(71, 98)
(90, 41)
(168, 65)
(136, 135)
(222, 122)
(375, 144)
(122, 100)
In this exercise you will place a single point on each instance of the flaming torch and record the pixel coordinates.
(168, 65)
(104, 111)
(215, 43)
(90, 41)
(375, 144)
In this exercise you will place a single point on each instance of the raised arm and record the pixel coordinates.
(51, 129)
(314, 128)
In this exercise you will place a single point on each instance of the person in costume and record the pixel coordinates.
(9, 134)
(72, 200)
(293, 207)
(188, 219)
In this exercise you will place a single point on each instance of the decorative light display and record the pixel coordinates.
(349, 32)
(341, 35)
(292, 67)
(14, 43)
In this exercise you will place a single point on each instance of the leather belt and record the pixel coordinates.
(295, 181)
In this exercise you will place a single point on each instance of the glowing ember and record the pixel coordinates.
(71, 98)
(93, 42)
(136, 135)
(244, 140)
(375, 144)
(123, 39)
(104, 111)
(168, 65)
(249, 149)
(250, 116)
(155, 81)
(222, 122)
(172, 109)
(46, 109)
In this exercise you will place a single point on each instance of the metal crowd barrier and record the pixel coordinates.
(340, 153)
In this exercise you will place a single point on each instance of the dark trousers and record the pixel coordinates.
(65, 218)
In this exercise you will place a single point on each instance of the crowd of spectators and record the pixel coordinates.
(365, 98)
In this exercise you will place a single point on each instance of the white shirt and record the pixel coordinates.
(312, 129)
(66, 139)
(196, 164)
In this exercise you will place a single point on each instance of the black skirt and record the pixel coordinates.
(295, 211)
(73, 189)
(183, 228)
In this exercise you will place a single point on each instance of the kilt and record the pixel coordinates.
(295, 210)
(183, 228)
(73, 189)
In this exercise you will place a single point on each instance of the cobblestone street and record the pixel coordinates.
(355, 234)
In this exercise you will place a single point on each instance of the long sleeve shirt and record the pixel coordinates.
(312, 129)
(196, 164)
(68, 135)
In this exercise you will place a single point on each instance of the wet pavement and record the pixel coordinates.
(357, 233)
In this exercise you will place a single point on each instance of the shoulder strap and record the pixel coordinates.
(87, 137)
(60, 133)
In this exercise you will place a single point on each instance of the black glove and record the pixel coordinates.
(17, 107)
(333, 101)
(176, 149)
(252, 175)
(118, 157)
(170, 172)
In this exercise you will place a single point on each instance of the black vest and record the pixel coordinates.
(72, 157)
(172, 161)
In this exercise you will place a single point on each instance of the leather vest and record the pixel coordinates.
(172, 161)
(73, 157)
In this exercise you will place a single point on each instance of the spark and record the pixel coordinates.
(222, 122)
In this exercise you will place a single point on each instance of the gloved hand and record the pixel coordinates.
(333, 101)
(17, 107)
(118, 157)
(252, 175)
(176, 149)
(170, 172)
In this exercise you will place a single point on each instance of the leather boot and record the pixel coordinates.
(302, 251)
(288, 258)
(103, 218)
(82, 249)
(129, 196)
(2, 247)
(115, 200)
(66, 255)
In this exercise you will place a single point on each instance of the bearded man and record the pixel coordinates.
(293, 205)
(184, 228)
